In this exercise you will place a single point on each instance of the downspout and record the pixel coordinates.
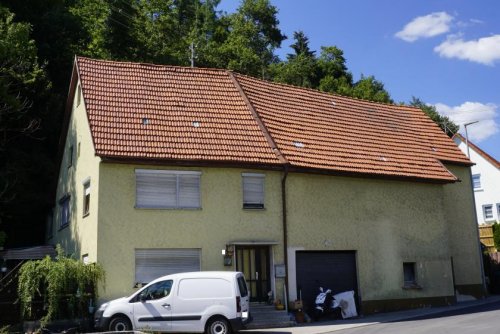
(285, 227)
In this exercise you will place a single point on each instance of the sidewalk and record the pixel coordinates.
(336, 325)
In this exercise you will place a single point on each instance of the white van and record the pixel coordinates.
(215, 302)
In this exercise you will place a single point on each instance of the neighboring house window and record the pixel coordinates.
(86, 197)
(488, 212)
(151, 263)
(476, 181)
(165, 189)
(64, 204)
(498, 211)
(253, 190)
(410, 278)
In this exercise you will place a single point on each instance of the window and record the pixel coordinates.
(165, 189)
(78, 95)
(155, 291)
(151, 263)
(498, 211)
(410, 279)
(476, 181)
(253, 190)
(65, 211)
(86, 197)
(488, 211)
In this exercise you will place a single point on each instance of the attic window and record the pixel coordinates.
(145, 121)
(196, 124)
(298, 144)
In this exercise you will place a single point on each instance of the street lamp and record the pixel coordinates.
(467, 136)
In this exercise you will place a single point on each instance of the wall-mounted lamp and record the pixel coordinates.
(228, 255)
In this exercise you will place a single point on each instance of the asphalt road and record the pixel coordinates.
(473, 320)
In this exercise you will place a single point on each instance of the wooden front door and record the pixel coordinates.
(254, 263)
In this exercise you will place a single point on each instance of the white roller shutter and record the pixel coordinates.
(253, 190)
(153, 263)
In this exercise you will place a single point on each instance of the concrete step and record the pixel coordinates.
(266, 316)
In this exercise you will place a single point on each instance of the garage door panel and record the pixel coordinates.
(330, 270)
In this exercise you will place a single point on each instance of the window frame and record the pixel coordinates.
(490, 206)
(410, 268)
(178, 174)
(65, 211)
(86, 198)
(476, 180)
(247, 203)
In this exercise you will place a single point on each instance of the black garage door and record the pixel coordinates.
(330, 270)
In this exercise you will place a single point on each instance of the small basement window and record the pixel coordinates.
(410, 277)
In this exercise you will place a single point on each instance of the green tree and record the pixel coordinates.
(334, 76)
(447, 125)
(23, 88)
(252, 37)
(369, 88)
(301, 68)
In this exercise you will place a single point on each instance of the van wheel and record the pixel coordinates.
(120, 324)
(218, 326)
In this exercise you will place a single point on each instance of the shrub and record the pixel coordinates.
(67, 286)
(496, 235)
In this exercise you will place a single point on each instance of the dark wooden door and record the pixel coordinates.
(253, 262)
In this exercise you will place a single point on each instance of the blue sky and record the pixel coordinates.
(446, 52)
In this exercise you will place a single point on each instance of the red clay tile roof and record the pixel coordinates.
(479, 151)
(144, 111)
(165, 112)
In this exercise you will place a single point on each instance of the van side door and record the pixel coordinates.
(152, 309)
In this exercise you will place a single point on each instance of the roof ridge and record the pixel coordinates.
(119, 62)
(485, 155)
(326, 93)
(259, 121)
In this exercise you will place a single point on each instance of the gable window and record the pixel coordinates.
(166, 189)
(409, 273)
(65, 211)
(253, 190)
(488, 212)
(476, 181)
(86, 197)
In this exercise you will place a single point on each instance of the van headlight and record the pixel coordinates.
(103, 307)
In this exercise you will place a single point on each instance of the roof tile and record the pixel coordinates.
(145, 111)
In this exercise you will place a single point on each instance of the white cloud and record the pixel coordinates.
(426, 26)
(470, 112)
(485, 50)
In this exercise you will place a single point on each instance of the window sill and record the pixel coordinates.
(478, 189)
(411, 286)
(86, 215)
(254, 209)
(163, 208)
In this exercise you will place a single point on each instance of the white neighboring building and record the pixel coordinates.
(486, 181)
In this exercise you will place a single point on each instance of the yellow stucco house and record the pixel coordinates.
(167, 169)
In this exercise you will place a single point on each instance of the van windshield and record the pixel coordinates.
(242, 286)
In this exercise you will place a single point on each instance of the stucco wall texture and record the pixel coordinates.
(386, 222)
(80, 236)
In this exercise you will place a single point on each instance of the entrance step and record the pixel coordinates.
(266, 316)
